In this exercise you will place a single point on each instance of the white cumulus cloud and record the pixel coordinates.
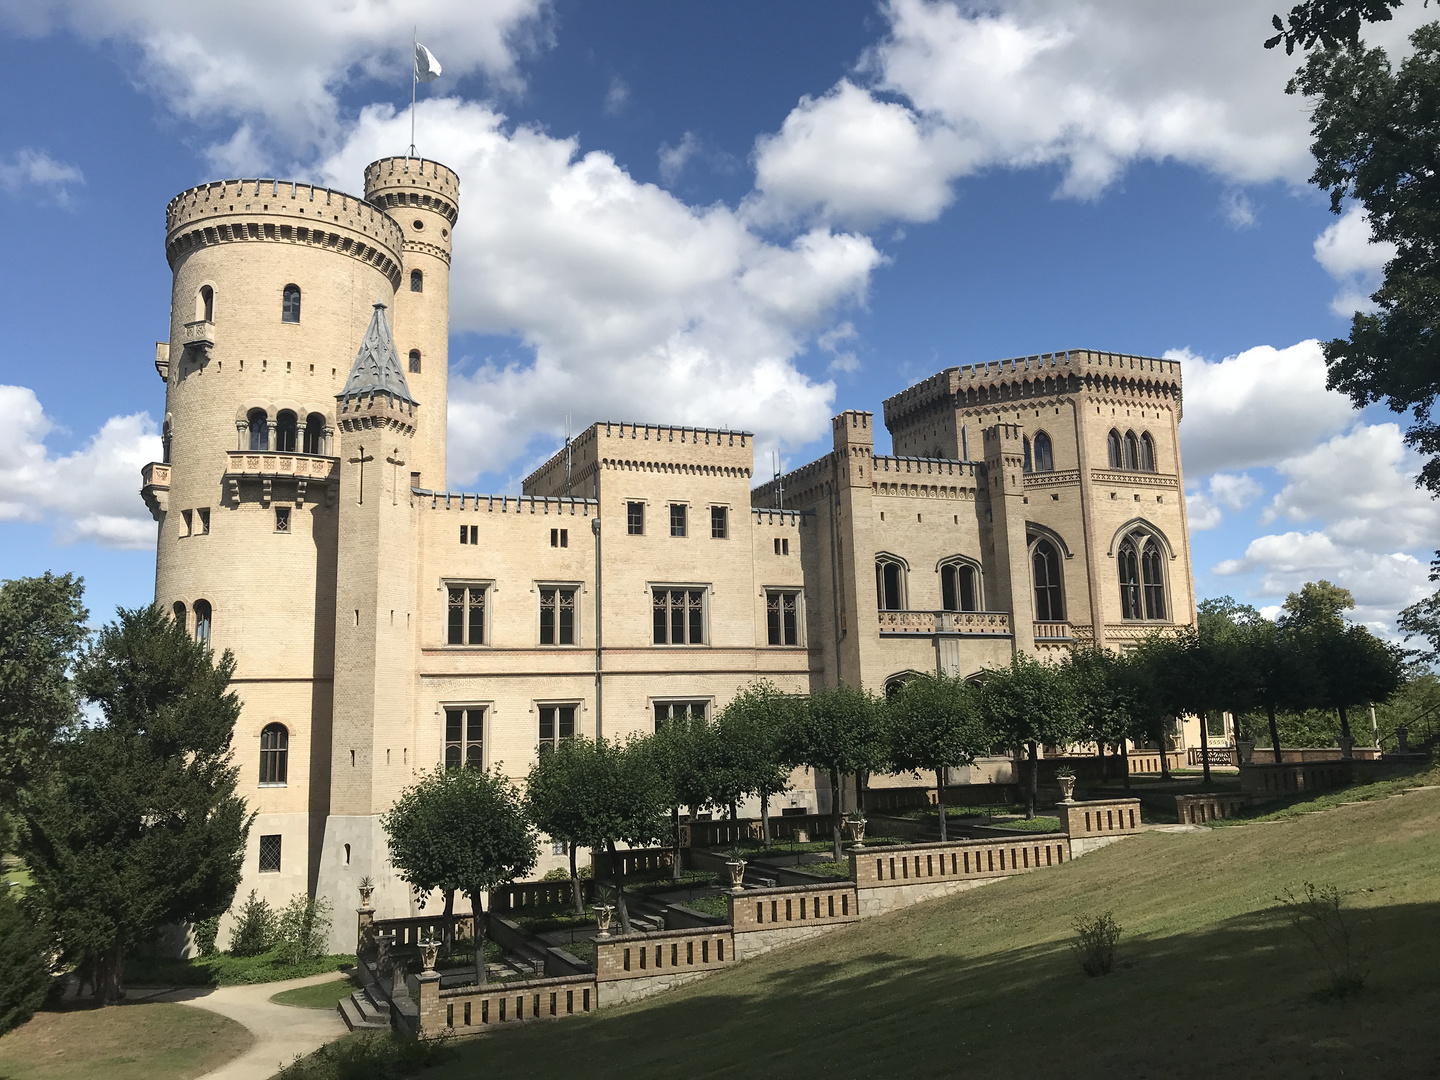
(1352, 257)
(39, 174)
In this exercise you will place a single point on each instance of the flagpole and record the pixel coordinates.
(414, 82)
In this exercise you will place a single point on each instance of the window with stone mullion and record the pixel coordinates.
(466, 616)
(679, 616)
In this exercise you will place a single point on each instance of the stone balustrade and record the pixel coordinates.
(463, 1009)
(1211, 806)
(914, 864)
(663, 952)
(276, 463)
(155, 488)
(419, 928)
(1053, 631)
(758, 910)
(930, 623)
(531, 894)
(1099, 817)
(199, 334)
(1278, 781)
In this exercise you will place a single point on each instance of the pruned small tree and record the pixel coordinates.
(837, 731)
(550, 802)
(1103, 698)
(1028, 704)
(935, 723)
(683, 751)
(461, 829)
(750, 737)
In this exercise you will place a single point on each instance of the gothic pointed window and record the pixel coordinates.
(959, 587)
(286, 428)
(1128, 562)
(314, 434)
(290, 304)
(417, 281)
(1049, 596)
(1117, 456)
(259, 429)
(1028, 464)
(1132, 452)
(274, 754)
(1152, 573)
(679, 616)
(1044, 458)
(1147, 453)
(890, 584)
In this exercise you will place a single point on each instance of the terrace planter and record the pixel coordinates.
(735, 868)
(1067, 788)
(1246, 749)
(856, 827)
(429, 953)
(366, 891)
(602, 919)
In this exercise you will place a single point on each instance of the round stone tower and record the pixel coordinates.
(423, 198)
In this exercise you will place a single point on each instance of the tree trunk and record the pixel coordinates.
(835, 810)
(1274, 732)
(860, 792)
(940, 799)
(765, 817)
(1164, 756)
(1101, 744)
(1034, 786)
(449, 933)
(575, 883)
(618, 869)
(1125, 761)
(734, 813)
(675, 862)
(1205, 746)
(110, 976)
(477, 905)
(1344, 723)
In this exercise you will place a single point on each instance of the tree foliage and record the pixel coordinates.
(137, 824)
(1029, 704)
(549, 800)
(1329, 23)
(25, 950)
(839, 730)
(750, 743)
(935, 724)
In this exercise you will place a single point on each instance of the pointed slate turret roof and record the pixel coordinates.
(377, 368)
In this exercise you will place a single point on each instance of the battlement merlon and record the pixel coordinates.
(395, 182)
(625, 444)
(1020, 377)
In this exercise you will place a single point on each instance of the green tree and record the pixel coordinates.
(1330, 23)
(460, 829)
(1422, 619)
(750, 737)
(1105, 699)
(837, 731)
(553, 778)
(1284, 672)
(26, 946)
(42, 626)
(137, 824)
(935, 723)
(1027, 704)
(683, 750)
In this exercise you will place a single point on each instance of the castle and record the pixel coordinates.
(382, 625)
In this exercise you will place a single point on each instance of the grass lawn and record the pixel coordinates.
(223, 970)
(321, 996)
(159, 1041)
(1038, 824)
(1282, 809)
(1211, 979)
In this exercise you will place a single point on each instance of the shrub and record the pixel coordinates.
(254, 930)
(303, 929)
(367, 1056)
(1095, 943)
(206, 931)
(1318, 915)
(25, 951)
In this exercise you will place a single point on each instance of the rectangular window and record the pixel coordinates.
(679, 616)
(204, 514)
(557, 722)
(718, 522)
(635, 518)
(669, 710)
(282, 519)
(465, 622)
(782, 616)
(270, 854)
(557, 616)
(782, 546)
(465, 737)
(677, 519)
(186, 524)
(559, 537)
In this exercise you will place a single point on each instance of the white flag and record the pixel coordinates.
(427, 68)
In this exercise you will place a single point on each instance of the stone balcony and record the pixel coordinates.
(155, 488)
(944, 623)
(198, 335)
(1053, 631)
(267, 466)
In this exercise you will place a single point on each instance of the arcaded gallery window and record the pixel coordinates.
(286, 428)
(1049, 594)
(314, 434)
(274, 754)
(1147, 453)
(959, 587)
(1117, 454)
(1132, 452)
(259, 424)
(465, 737)
(465, 615)
(890, 583)
(679, 616)
(782, 616)
(1142, 578)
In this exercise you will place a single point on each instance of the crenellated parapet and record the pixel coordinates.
(398, 182)
(627, 446)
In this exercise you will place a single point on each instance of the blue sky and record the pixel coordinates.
(749, 214)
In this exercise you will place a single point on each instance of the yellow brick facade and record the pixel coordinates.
(330, 566)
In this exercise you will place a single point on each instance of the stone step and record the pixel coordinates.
(355, 1020)
(371, 1007)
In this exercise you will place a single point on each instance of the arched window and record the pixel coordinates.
(1044, 458)
(417, 281)
(314, 434)
(1152, 573)
(959, 587)
(179, 612)
(205, 304)
(202, 621)
(896, 683)
(285, 430)
(890, 584)
(290, 305)
(414, 360)
(1147, 453)
(259, 430)
(1117, 458)
(274, 754)
(1142, 577)
(1049, 598)
(1132, 452)
(1028, 466)
(1128, 561)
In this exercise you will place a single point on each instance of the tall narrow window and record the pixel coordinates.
(415, 361)
(314, 434)
(1044, 458)
(270, 854)
(202, 621)
(206, 306)
(259, 429)
(1132, 452)
(1049, 598)
(465, 615)
(1152, 572)
(890, 584)
(1117, 455)
(274, 754)
(465, 738)
(964, 442)
(290, 304)
(958, 587)
(286, 428)
(679, 616)
(665, 711)
(1147, 453)
(1128, 564)
(782, 616)
(635, 518)
(557, 723)
(718, 522)
(417, 281)
(1029, 464)
(180, 614)
(677, 519)
(557, 616)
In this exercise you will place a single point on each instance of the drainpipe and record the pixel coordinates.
(595, 529)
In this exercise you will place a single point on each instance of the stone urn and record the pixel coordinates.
(602, 919)
(366, 892)
(1347, 747)
(1067, 788)
(1245, 748)
(429, 953)
(735, 868)
(856, 828)
(802, 836)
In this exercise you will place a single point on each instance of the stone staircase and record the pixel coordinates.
(361, 1011)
